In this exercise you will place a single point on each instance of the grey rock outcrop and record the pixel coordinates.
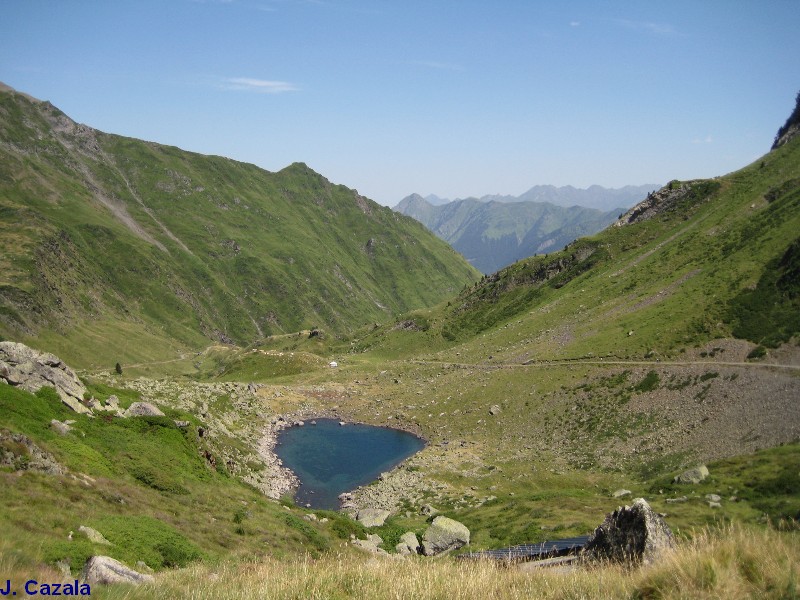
(143, 409)
(94, 536)
(31, 370)
(790, 129)
(444, 535)
(409, 544)
(630, 534)
(106, 570)
(695, 475)
(371, 544)
(61, 427)
(20, 453)
(372, 517)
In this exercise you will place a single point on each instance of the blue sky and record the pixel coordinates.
(455, 98)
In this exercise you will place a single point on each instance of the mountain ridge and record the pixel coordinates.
(595, 196)
(493, 234)
(162, 244)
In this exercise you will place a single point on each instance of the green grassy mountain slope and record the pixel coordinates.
(115, 247)
(494, 234)
(704, 259)
(667, 339)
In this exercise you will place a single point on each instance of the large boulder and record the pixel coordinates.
(31, 370)
(695, 475)
(143, 409)
(408, 544)
(630, 534)
(444, 535)
(372, 517)
(106, 570)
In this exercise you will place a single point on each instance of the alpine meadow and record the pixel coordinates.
(165, 314)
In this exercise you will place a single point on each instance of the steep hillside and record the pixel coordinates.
(494, 234)
(668, 338)
(120, 249)
(694, 261)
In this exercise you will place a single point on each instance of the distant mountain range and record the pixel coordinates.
(495, 231)
(596, 196)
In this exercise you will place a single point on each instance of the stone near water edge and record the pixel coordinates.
(444, 535)
(106, 570)
(630, 534)
(695, 475)
(372, 517)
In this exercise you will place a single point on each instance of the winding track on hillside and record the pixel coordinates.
(595, 361)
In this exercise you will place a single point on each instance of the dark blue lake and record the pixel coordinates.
(329, 458)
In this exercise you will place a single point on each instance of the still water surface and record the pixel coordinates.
(329, 458)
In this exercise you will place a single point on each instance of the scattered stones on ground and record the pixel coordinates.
(621, 493)
(673, 500)
(495, 409)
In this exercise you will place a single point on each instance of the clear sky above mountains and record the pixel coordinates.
(452, 97)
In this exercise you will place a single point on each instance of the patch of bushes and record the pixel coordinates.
(149, 540)
(314, 537)
(48, 393)
(649, 383)
(343, 527)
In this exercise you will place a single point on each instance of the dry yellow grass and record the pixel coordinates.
(734, 562)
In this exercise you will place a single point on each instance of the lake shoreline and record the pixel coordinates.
(282, 481)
